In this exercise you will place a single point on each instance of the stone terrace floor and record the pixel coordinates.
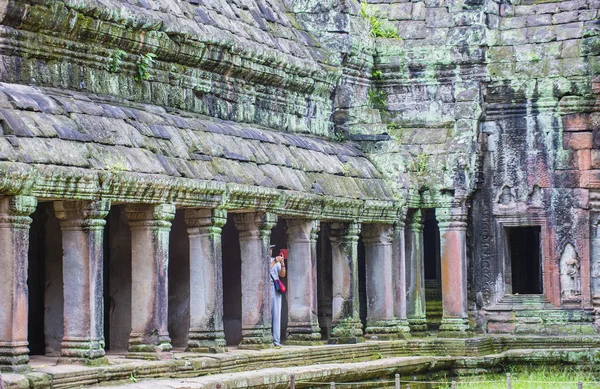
(271, 368)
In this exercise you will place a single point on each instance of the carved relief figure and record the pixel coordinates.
(570, 280)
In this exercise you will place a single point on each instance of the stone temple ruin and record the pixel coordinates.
(442, 179)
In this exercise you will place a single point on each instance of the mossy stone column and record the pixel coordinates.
(303, 322)
(415, 269)
(345, 320)
(206, 279)
(14, 245)
(452, 223)
(255, 236)
(150, 228)
(381, 322)
(399, 279)
(82, 225)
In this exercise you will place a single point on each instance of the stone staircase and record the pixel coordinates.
(433, 306)
(533, 314)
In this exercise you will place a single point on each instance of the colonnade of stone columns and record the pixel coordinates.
(394, 278)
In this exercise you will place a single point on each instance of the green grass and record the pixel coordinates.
(536, 378)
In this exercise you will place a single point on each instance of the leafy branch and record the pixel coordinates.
(144, 63)
(379, 28)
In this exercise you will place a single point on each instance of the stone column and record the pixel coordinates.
(595, 264)
(303, 321)
(415, 270)
(206, 279)
(399, 279)
(14, 245)
(82, 225)
(381, 322)
(150, 227)
(347, 327)
(452, 223)
(255, 235)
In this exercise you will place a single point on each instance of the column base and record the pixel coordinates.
(206, 342)
(451, 327)
(256, 339)
(387, 329)
(160, 350)
(418, 326)
(14, 356)
(303, 334)
(84, 351)
(348, 331)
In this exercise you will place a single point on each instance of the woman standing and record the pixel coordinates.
(277, 269)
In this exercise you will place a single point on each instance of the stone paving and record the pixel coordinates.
(270, 368)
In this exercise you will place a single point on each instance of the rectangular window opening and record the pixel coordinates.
(525, 259)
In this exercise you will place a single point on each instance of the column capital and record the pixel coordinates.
(345, 231)
(414, 221)
(316, 227)
(378, 233)
(199, 218)
(299, 229)
(254, 223)
(401, 217)
(15, 210)
(152, 215)
(451, 218)
(82, 214)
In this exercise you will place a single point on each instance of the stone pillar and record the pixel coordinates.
(255, 235)
(347, 327)
(82, 225)
(150, 227)
(206, 279)
(303, 321)
(595, 264)
(453, 233)
(14, 245)
(381, 322)
(399, 279)
(415, 270)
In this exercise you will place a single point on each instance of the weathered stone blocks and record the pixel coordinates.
(577, 140)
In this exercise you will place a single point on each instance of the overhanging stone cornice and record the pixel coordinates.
(67, 183)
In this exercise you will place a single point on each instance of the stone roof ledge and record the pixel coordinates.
(59, 144)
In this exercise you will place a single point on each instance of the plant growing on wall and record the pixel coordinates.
(144, 63)
(422, 164)
(115, 61)
(379, 28)
(377, 98)
(377, 74)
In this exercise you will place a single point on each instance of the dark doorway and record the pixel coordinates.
(362, 284)
(36, 280)
(179, 281)
(324, 280)
(432, 268)
(431, 248)
(232, 283)
(45, 285)
(279, 239)
(525, 259)
(117, 283)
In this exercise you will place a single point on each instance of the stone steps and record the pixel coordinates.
(47, 374)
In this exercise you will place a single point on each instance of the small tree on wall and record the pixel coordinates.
(378, 27)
